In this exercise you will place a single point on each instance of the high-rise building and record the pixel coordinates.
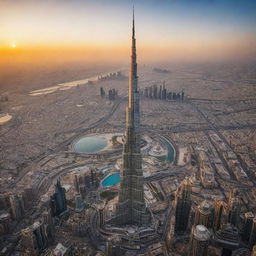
(155, 91)
(29, 241)
(38, 236)
(17, 206)
(82, 183)
(109, 248)
(204, 214)
(227, 238)
(58, 200)
(164, 91)
(160, 92)
(49, 227)
(101, 217)
(170, 233)
(28, 196)
(131, 208)
(5, 220)
(76, 184)
(79, 203)
(199, 241)
(150, 92)
(102, 92)
(218, 213)
(113, 247)
(182, 95)
(252, 240)
(248, 222)
(183, 206)
(146, 92)
(233, 209)
(93, 178)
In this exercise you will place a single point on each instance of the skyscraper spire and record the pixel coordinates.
(133, 70)
(133, 26)
(131, 208)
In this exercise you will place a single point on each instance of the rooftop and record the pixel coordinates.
(201, 233)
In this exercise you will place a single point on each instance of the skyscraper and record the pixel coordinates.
(48, 226)
(204, 214)
(248, 222)
(199, 241)
(58, 200)
(101, 217)
(79, 203)
(109, 248)
(5, 220)
(17, 206)
(131, 208)
(218, 212)
(227, 238)
(183, 206)
(38, 236)
(29, 241)
(233, 210)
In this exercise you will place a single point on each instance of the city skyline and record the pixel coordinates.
(99, 158)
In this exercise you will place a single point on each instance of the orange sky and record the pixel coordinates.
(101, 30)
(120, 52)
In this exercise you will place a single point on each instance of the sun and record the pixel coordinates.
(13, 45)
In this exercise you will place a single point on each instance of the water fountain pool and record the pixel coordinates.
(90, 144)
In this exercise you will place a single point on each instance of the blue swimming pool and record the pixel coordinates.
(111, 180)
(90, 144)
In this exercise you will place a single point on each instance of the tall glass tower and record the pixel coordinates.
(131, 208)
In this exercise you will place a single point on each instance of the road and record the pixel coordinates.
(60, 146)
(216, 130)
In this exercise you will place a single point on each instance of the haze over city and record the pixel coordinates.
(128, 128)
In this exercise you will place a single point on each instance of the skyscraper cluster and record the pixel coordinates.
(39, 235)
(218, 223)
(83, 182)
(112, 93)
(111, 76)
(160, 92)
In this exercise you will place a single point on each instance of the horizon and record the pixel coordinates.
(166, 30)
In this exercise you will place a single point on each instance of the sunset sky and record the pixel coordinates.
(173, 29)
